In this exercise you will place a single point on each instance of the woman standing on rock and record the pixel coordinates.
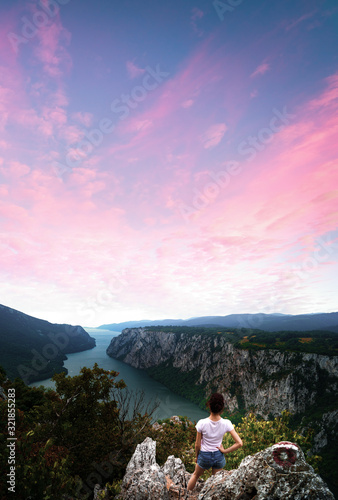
(210, 431)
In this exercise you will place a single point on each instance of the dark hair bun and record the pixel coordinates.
(216, 403)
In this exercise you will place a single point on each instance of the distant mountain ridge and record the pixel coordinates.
(268, 322)
(34, 349)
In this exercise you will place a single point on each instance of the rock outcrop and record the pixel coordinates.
(279, 471)
(145, 479)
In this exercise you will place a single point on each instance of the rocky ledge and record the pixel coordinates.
(279, 471)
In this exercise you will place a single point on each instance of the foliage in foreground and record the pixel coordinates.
(260, 434)
(86, 431)
(83, 433)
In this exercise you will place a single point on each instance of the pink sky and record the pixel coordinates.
(201, 201)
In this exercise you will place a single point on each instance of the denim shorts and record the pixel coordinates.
(208, 459)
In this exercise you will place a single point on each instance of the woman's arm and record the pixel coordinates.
(198, 443)
(238, 443)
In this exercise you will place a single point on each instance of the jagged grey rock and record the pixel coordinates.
(98, 492)
(175, 470)
(279, 471)
(144, 478)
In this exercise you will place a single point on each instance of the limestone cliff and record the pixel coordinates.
(267, 381)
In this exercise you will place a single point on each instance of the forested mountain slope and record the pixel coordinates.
(34, 349)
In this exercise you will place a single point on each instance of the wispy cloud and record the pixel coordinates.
(214, 135)
(196, 15)
(301, 19)
(188, 103)
(133, 70)
(260, 70)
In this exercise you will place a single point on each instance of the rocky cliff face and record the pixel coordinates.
(266, 381)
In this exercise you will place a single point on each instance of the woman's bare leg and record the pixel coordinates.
(194, 477)
(215, 470)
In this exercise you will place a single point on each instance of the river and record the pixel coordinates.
(137, 380)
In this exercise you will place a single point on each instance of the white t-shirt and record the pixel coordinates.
(213, 432)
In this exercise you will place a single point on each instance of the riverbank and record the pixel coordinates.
(136, 380)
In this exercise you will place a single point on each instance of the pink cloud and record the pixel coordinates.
(83, 118)
(260, 70)
(188, 103)
(15, 169)
(37, 109)
(42, 124)
(196, 15)
(171, 125)
(71, 134)
(295, 196)
(133, 70)
(289, 197)
(51, 51)
(329, 96)
(3, 190)
(5, 96)
(214, 135)
(295, 23)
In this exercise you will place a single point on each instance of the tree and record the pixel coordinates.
(87, 414)
(175, 436)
